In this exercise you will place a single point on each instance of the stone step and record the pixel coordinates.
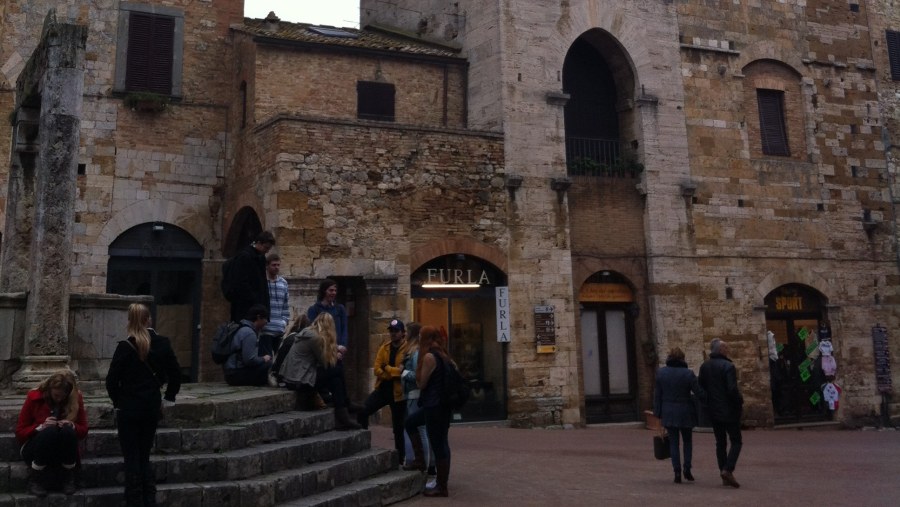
(223, 437)
(366, 476)
(384, 489)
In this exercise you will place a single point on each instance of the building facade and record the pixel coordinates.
(567, 190)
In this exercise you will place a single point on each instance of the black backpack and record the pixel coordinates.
(456, 387)
(223, 342)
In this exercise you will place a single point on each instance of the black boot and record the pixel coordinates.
(68, 482)
(688, 475)
(134, 490)
(342, 420)
(443, 475)
(677, 477)
(36, 480)
(148, 483)
(418, 462)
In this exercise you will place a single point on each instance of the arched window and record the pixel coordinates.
(773, 104)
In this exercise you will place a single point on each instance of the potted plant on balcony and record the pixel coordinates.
(146, 101)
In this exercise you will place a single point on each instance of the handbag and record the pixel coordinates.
(661, 446)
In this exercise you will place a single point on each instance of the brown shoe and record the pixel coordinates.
(729, 480)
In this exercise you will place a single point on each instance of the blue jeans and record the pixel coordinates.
(687, 435)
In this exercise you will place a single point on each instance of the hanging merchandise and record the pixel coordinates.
(831, 393)
(829, 366)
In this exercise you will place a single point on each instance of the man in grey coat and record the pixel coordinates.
(718, 378)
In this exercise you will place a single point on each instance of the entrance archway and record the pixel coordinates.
(795, 323)
(164, 261)
(608, 310)
(457, 294)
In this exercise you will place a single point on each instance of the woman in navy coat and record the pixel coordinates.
(674, 405)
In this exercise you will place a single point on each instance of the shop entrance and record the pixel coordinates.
(607, 349)
(795, 321)
(456, 294)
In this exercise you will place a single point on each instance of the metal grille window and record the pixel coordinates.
(375, 101)
(893, 45)
(150, 46)
(772, 129)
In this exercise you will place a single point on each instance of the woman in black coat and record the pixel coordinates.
(674, 405)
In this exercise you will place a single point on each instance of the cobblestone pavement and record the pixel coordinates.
(614, 465)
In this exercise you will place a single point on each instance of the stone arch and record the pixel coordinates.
(461, 245)
(768, 50)
(243, 229)
(804, 277)
(195, 223)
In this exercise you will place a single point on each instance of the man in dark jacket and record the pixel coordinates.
(718, 377)
(246, 281)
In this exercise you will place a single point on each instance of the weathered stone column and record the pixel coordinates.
(54, 76)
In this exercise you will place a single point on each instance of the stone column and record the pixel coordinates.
(54, 76)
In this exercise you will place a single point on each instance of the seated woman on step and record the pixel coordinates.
(51, 423)
(313, 364)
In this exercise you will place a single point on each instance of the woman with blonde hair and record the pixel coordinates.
(51, 423)
(314, 364)
(140, 366)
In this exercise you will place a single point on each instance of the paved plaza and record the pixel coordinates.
(614, 465)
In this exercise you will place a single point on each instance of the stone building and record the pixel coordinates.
(568, 189)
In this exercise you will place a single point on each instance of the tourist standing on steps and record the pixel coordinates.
(51, 423)
(718, 378)
(279, 311)
(430, 375)
(418, 452)
(140, 366)
(326, 301)
(244, 282)
(673, 402)
(388, 390)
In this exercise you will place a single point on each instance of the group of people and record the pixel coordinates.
(52, 421)
(675, 402)
(306, 355)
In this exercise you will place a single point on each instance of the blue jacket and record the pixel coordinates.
(672, 400)
(338, 312)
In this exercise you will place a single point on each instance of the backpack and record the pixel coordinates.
(456, 387)
(228, 281)
(223, 342)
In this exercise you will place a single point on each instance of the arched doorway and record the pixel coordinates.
(608, 310)
(795, 323)
(458, 294)
(244, 228)
(164, 261)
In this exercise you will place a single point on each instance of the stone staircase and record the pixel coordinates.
(224, 446)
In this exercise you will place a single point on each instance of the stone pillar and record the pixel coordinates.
(15, 253)
(54, 78)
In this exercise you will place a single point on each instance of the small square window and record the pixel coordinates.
(854, 7)
(375, 101)
(772, 128)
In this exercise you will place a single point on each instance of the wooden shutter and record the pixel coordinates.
(151, 41)
(772, 130)
(893, 45)
(375, 101)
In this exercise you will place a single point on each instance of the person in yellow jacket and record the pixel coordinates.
(388, 388)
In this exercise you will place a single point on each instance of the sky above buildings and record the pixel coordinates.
(341, 13)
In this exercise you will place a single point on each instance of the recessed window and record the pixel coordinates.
(149, 49)
(772, 131)
(374, 101)
(893, 45)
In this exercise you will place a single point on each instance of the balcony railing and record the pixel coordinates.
(599, 157)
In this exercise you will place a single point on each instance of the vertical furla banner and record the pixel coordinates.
(502, 314)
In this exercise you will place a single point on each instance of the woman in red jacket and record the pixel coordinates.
(51, 423)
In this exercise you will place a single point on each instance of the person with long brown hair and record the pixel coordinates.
(51, 423)
(430, 375)
(140, 366)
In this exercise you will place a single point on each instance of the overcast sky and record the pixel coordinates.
(341, 13)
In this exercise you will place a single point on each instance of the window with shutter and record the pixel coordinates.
(772, 131)
(375, 101)
(149, 49)
(893, 45)
(150, 44)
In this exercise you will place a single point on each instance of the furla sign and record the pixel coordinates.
(470, 278)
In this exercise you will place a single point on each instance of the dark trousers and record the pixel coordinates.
(332, 380)
(732, 430)
(379, 398)
(437, 424)
(248, 376)
(52, 446)
(687, 436)
(268, 344)
(137, 430)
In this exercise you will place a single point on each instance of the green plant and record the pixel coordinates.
(145, 101)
